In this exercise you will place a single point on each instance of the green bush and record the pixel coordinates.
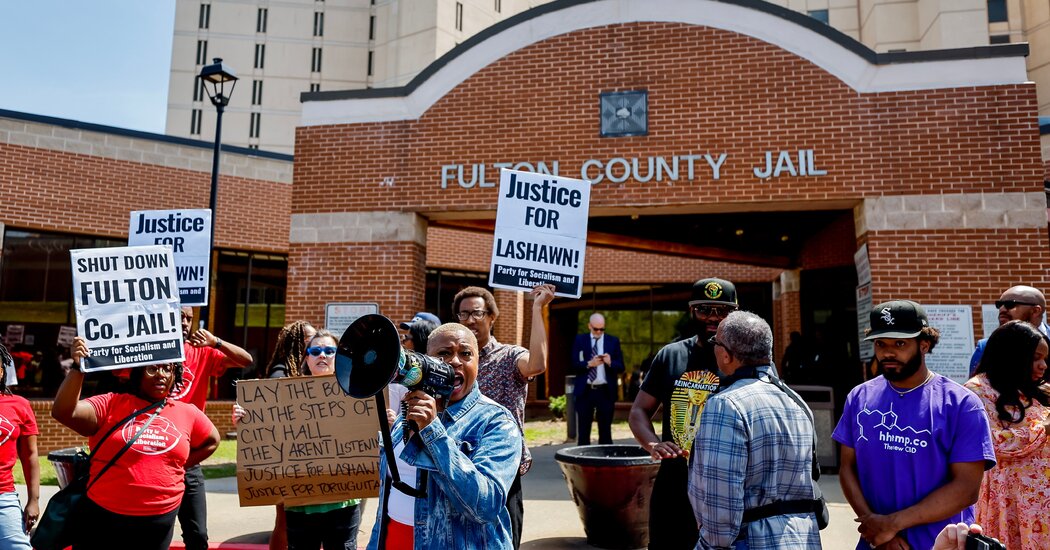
(557, 406)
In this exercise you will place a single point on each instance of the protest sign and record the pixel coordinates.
(14, 334)
(303, 441)
(127, 306)
(951, 356)
(339, 315)
(66, 335)
(188, 233)
(541, 232)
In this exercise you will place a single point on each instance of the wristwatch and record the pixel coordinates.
(218, 342)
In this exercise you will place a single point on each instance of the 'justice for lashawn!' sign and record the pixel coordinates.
(127, 306)
(541, 232)
(303, 441)
(188, 232)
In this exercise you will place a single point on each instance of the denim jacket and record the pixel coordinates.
(471, 452)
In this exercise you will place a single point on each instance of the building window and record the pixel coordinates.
(999, 39)
(459, 16)
(205, 17)
(315, 87)
(372, 28)
(260, 20)
(253, 128)
(195, 122)
(257, 87)
(256, 145)
(315, 62)
(260, 55)
(202, 52)
(318, 23)
(819, 15)
(997, 11)
(198, 89)
(371, 56)
(499, 6)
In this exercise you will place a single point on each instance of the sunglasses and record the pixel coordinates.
(477, 314)
(152, 370)
(1010, 304)
(598, 329)
(713, 310)
(328, 351)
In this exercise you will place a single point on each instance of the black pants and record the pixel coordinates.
(672, 524)
(595, 400)
(193, 513)
(516, 507)
(335, 529)
(100, 529)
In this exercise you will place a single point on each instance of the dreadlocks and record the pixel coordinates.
(290, 349)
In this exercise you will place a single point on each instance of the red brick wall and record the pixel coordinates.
(832, 246)
(709, 91)
(52, 190)
(962, 266)
(390, 273)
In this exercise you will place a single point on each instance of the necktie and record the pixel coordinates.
(592, 373)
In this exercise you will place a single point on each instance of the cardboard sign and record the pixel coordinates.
(303, 441)
(188, 233)
(541, 232)
(127, 305)
(339, 315)
(951, 356)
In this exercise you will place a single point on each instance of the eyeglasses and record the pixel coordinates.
(477, 314)
(1010, 304)
(712, 310)
(152, 370)
(328, 351)
(714, 342)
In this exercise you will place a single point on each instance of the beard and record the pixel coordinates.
(909, 368)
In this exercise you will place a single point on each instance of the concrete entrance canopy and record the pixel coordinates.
(936, 153)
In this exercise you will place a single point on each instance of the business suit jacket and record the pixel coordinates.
(581, 348)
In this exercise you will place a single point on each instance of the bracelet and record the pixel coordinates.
(218, 342)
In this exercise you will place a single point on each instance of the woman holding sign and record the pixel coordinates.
(19, 443)
(134, 504)
(333, 525)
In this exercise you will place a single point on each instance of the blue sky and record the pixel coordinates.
(101, 61)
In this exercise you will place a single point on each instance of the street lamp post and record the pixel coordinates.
(214, 78)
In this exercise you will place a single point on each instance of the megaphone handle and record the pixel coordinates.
(409, 425)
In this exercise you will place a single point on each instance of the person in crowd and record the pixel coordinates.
(206, 356)
(750, 479)
(915, 444)
(598, 360)
(334, 525)
(682, 376)
(289, 353)
(467, 455)
(135, 503)
(18, 430)
(417, 331)
(1014, 504)
(1018, 303)
(796, 355)
(505, 370)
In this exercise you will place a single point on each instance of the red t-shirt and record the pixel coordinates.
(148, 479)
(16, 419)
(200, 365)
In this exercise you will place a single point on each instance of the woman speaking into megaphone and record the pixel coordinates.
(466, 455)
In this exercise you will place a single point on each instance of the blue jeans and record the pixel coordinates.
(12, 534)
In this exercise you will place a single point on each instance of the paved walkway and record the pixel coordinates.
(551, 519)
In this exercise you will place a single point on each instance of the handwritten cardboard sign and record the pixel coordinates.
(303, 441)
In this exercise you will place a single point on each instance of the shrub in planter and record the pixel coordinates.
(557, 406)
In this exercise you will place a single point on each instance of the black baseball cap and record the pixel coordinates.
(897, 319)
(713, 291)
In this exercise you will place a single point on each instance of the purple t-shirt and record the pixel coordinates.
(906, 444)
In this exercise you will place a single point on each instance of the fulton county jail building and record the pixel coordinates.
(733, 139)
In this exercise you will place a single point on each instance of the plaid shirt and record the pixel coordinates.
(755, 447)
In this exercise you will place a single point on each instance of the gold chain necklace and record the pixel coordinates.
(929, 376)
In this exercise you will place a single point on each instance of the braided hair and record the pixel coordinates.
(290, 350)
(6, 362)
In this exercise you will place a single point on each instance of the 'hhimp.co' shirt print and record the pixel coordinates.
(888, 430)
(688, 398)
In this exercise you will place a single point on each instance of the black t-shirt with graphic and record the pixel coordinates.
(683, 375)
